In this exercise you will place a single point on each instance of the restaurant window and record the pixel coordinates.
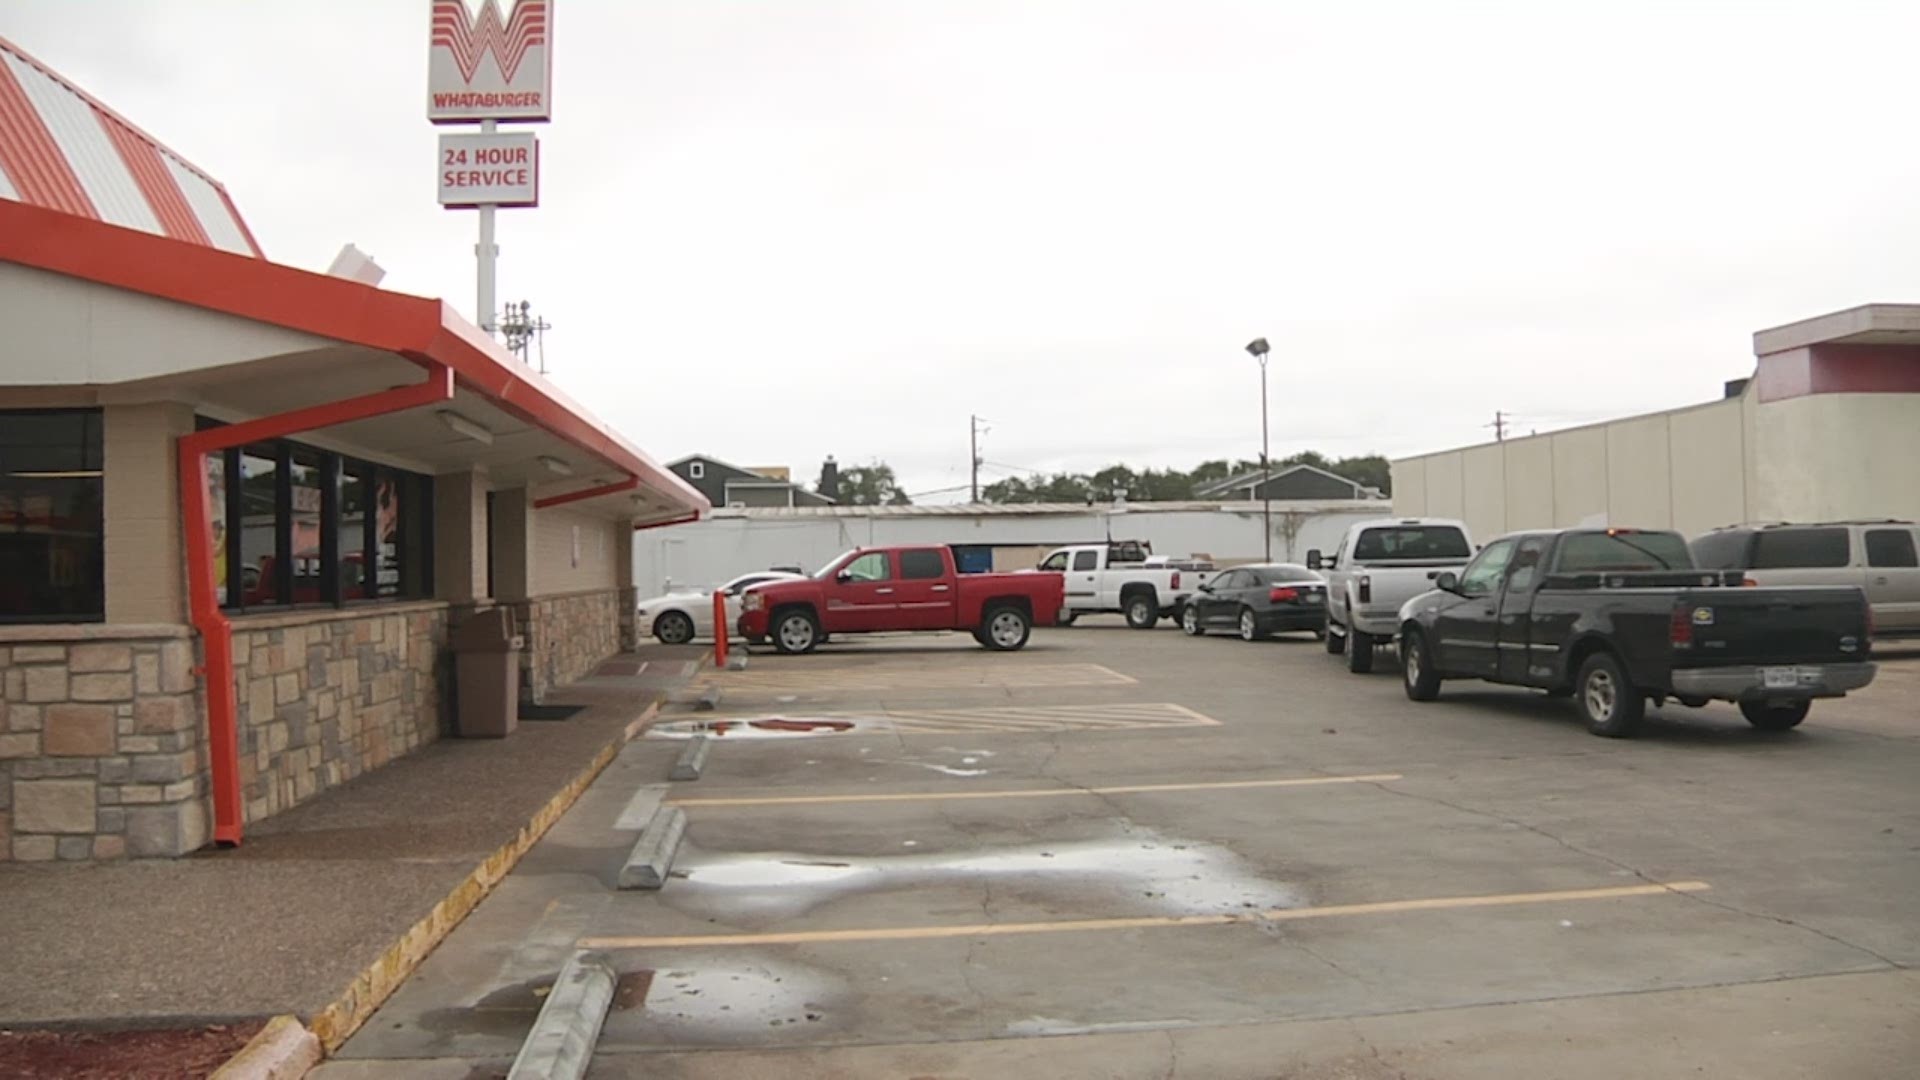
(51, 568)
(259, 530)
(303, 476)
(356, 531)
(302, 526)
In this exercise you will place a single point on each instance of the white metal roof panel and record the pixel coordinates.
(223, 231)
(64, 150)
(75, 128)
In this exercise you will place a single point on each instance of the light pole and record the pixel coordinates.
(1258, 349)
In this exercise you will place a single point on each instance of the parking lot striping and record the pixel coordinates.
(1145, 922)
(1109, 717)
(1031, 793)
(802, 677)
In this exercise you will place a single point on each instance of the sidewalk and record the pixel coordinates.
(287, 922)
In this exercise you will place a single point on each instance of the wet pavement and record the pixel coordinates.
(1314, 871)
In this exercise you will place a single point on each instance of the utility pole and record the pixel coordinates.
(973, 455)
(1499, 426)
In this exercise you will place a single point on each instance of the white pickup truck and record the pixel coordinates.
(1125, 577)
(1379, 566)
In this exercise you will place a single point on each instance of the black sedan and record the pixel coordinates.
(1256, 601)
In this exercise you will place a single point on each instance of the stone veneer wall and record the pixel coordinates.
(566, 637)
(100, 743)
(326, 696)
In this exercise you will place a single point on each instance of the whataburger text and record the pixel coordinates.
(483, 99)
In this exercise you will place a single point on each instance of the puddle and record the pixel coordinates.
(1140, 872)
(732, 1001)
(770, 727)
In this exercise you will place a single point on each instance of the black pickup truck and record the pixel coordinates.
(1615, 617)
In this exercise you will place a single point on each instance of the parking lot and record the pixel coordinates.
(1123, 853)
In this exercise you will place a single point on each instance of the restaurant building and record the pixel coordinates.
(242, 505)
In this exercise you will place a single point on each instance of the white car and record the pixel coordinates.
(679, 617)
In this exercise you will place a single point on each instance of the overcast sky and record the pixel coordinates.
(776, 230)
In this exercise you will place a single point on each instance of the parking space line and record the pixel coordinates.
(1151, 922)
(1031, 793)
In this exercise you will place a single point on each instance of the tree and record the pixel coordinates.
(1372, 470)
(1172, 485)
(868, 485)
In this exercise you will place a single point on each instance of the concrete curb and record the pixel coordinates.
(691, 760)
(560, 1046)
(334, 1024)
(737, 661)
(709, 699)
(652, 856)
(283, 1050)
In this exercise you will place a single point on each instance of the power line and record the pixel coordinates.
(1499, 425)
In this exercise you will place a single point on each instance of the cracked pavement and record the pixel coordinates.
(1796, 960)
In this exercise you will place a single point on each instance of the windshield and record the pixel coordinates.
(1055, 561)
(1412, 542)
(1623, 550)
(826, 571)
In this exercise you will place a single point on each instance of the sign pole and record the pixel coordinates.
(487, 253)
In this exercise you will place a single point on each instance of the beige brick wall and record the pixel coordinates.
(601, 546)
(511, 545)
(145, 567)
(460, 536)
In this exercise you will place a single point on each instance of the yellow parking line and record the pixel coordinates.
(921, 933)
(1031, 793)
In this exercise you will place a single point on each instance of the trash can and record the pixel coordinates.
(486, 656)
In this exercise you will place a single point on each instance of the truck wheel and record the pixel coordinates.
(1611, 705)
(673, 628)
(1775, 716)
(1422, 679)
(1005, 629)
(1250, 626)
(1143, 611)
(1359, 652)
(796, 631)
(1190, 622)
(1336, 643)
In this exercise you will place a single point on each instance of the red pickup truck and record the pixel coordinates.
(900, 588)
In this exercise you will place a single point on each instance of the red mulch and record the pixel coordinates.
(168, 1054)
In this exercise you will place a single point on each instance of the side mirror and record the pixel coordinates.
(1447, 581)
(1314, 562)
(1206, 586)
(843, 576)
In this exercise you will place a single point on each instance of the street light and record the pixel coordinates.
(1257, 348)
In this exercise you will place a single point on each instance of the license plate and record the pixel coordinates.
(1779, 678)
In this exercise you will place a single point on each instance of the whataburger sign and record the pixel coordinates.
(481, 66)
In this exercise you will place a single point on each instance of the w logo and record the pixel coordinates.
(469, 40)
(483, 67)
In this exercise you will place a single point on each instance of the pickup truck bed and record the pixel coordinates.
(1614, 638)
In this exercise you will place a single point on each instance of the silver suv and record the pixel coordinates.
(1881, 557)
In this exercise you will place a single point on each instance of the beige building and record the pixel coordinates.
(1827, 429)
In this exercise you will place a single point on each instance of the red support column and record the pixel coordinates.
(719, 629)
